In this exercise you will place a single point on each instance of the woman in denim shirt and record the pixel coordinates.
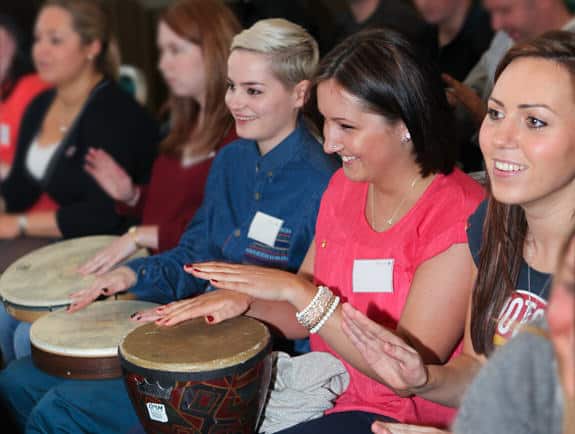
(261, 202)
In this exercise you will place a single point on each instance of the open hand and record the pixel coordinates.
(110, 175)
(215, 306)
(108, 284)
(395, 362)
(103, 261)
(258, 282)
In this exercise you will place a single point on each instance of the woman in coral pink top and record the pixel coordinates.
(390, 236)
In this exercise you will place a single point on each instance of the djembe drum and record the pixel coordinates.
(43, 280)
(198, 378)
(84, 344)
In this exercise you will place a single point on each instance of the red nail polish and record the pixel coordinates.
(209, 318)
(189, 266)
(214, 280)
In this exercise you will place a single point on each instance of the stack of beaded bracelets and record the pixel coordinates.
(318, 311)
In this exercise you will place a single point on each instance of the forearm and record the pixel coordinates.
(331, 331)
(41, 224)
(447, 383)
(279, 315)
(146, 236)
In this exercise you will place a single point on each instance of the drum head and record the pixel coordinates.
(45, 277)
(194, 346)
(94, 331)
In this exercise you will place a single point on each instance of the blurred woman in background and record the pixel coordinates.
(193, 63)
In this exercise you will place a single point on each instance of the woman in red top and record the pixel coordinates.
(389, 238)
(193, 63)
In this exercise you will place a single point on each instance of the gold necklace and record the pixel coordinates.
(389, 221)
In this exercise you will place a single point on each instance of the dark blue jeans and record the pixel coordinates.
(348, 422)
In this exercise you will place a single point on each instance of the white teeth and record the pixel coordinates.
(245, 118)
(508, 167)
(347, 159)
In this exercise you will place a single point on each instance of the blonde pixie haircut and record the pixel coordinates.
(293, 52)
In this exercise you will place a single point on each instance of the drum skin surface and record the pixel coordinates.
(84, 344)
(43, 280)
(198, 378)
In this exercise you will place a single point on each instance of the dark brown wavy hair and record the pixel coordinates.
(210, 25)
(505, 226)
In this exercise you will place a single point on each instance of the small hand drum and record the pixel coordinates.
(84, 344)
(43, 280)
(198, 378)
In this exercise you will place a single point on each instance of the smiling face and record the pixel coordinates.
(367, 143)
(181, 64)
(263, 108)
(59, 54)
(527, 137)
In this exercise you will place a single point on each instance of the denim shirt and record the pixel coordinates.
(287, 183)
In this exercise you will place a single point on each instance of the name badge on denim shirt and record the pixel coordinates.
(265, 228)
(373, 275)
(4, 134)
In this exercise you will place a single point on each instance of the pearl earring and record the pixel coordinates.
(406, 138)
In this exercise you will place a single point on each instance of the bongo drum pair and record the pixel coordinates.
(83, 344)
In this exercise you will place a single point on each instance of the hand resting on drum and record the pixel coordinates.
(110, 176)
(108, 284)
(215, 306)
(118, 250)
(260, 282)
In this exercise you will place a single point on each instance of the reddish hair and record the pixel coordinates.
(211, 25)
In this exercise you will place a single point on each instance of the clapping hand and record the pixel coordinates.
(396, 363)
(110, 176)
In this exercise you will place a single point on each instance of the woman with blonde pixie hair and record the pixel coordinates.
(277, 170)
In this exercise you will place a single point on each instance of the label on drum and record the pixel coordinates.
(157, 412)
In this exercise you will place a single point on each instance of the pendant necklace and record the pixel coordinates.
(390, 220)
(545, 284)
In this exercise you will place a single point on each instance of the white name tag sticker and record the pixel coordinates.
(157, 412)
(265, 228)
(4, 135)
(373, 275)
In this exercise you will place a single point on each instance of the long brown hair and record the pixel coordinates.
(92, 22)
(211, 25)
(505, 226)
